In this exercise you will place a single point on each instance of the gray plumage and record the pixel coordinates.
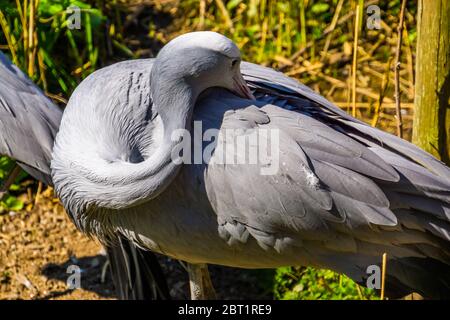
(28, 121)
(344, 194)
(28, 125)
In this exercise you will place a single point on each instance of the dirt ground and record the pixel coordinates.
(39, 243)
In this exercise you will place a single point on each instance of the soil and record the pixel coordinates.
(39, 243)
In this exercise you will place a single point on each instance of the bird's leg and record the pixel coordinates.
(208, 287)
(200, 282)
(9, 180)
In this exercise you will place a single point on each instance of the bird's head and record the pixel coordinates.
(203, 60)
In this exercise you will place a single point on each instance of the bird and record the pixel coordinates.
(29, 122)
(341, 194)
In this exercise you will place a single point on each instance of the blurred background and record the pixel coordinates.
(330, 46)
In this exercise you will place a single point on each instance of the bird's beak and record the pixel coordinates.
(241, 88)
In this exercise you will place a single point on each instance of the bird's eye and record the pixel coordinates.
(234, 62)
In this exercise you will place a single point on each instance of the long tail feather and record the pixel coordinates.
(136, 272)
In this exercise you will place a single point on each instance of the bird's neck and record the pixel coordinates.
(173, 99)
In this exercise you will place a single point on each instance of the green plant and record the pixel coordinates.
(263, 29)
(307, 283)
(40, 42)
(9, 202)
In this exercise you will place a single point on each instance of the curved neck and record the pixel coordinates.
(122, 184)
(173, 101)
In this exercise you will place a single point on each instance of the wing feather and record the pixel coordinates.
(28, 121)
(366, 185)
